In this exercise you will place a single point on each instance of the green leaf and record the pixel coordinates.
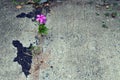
(42, 29)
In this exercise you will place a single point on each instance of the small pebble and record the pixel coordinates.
(61, 38)
(51, 66)
(18, 6)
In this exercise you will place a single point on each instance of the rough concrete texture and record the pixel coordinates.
(80, 48)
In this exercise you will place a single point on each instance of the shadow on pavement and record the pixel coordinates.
(29, 14)
(35, 12)
(24, 56)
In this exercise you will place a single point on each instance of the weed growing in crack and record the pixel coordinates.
(42, 29)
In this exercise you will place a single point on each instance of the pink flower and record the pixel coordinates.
(41, 19)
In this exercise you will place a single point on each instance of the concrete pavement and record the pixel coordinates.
(80, 48)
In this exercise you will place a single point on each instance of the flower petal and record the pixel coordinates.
(38, 15)
(44, 17)
(41, 21)
(44, 21)
(37, 19)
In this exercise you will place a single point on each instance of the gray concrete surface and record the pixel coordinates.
(80, 48)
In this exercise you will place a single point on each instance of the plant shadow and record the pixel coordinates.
(24, 56)
(32, 14)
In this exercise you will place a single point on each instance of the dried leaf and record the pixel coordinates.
(18, 6)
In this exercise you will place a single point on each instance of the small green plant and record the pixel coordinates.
(35, 50)
(41, 19)
(42, 29)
